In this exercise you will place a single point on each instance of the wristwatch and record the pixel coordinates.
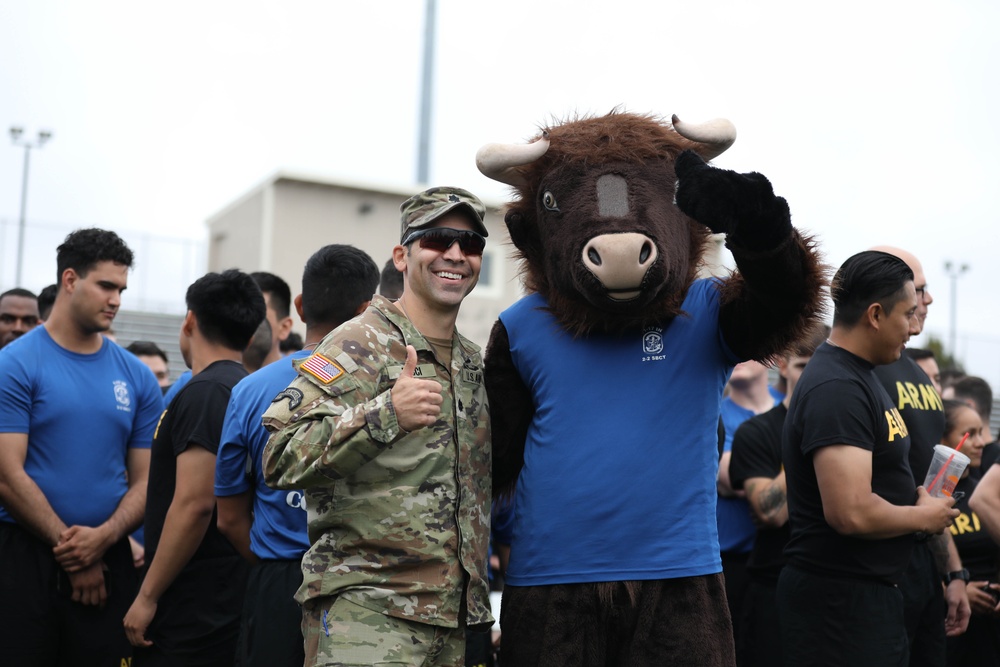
(962, 574)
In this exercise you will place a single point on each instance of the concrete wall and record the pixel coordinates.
(235, 236)
(308, 216)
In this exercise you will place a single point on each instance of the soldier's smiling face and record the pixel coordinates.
(441, 280)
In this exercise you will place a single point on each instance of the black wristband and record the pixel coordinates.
(962, 574)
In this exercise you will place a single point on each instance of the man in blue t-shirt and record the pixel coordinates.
(77, 416)
(267, 526)
(278, 297)
(176, 387)
(749, 395)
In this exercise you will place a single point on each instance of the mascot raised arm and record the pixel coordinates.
(605, 381)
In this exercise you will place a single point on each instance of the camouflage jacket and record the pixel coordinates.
(399, 522)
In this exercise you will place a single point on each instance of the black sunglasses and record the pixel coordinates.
(440, 239)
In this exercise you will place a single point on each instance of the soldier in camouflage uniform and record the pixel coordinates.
(386, 428)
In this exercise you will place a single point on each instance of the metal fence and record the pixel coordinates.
(164, 265)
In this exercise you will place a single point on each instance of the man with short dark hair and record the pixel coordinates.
(949, 376)
(928, 363)
(153, 356)
(852, 501)
(386, 428)
(188, 607)
(291, 344)
(77, 415)
(930, 610)
(259, 348)
(267, 526)
(390, 283)
(278, 296)
(46, 298)
(755, 467)
(18, 314)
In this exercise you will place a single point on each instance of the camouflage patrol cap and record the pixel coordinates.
(422, 209)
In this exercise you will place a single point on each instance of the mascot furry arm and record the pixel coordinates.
(590, 187)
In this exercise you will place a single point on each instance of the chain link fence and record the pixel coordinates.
(163, 268)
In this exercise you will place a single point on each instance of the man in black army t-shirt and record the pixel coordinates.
(934, 557)
(853, 504)
(188, 608)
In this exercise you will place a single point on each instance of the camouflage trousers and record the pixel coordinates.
(340, 633)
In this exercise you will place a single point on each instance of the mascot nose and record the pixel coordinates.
(620, 261)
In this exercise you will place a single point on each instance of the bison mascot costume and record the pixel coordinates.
(605, 381)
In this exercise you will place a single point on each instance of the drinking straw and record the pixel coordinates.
(947, 463)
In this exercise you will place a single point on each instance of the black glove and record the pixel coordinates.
(741, 206)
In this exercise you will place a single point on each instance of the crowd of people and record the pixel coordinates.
(326, 499)
(844, 567)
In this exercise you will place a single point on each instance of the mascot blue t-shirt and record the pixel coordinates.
(621, 435)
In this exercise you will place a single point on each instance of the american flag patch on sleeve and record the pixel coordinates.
(321, 368)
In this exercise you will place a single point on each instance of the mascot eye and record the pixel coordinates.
(549, 201)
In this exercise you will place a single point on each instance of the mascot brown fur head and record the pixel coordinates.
(595, 224)
(610, 222)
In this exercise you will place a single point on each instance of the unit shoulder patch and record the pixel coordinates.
(293, 395)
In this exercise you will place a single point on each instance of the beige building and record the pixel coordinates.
(279, 223)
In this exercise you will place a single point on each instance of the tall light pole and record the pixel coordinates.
(426, 95)
(954, 271)
(15, 137)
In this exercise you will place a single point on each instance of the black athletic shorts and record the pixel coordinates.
(924, 609)
(832, 621)
(271, 627)
(198, 617)
(40, 625)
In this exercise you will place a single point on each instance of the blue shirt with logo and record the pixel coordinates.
(280, 521)
(621, 455)
(82, 413)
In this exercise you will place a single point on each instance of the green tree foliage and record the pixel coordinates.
(946, 362)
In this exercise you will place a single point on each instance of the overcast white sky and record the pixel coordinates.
(877, 121)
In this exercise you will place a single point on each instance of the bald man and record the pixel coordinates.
(928, 619)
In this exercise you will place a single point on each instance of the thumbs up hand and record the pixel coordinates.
(417, 402)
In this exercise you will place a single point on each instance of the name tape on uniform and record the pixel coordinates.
(421, 371)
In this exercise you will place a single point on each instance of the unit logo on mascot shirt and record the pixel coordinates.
(652, 341)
